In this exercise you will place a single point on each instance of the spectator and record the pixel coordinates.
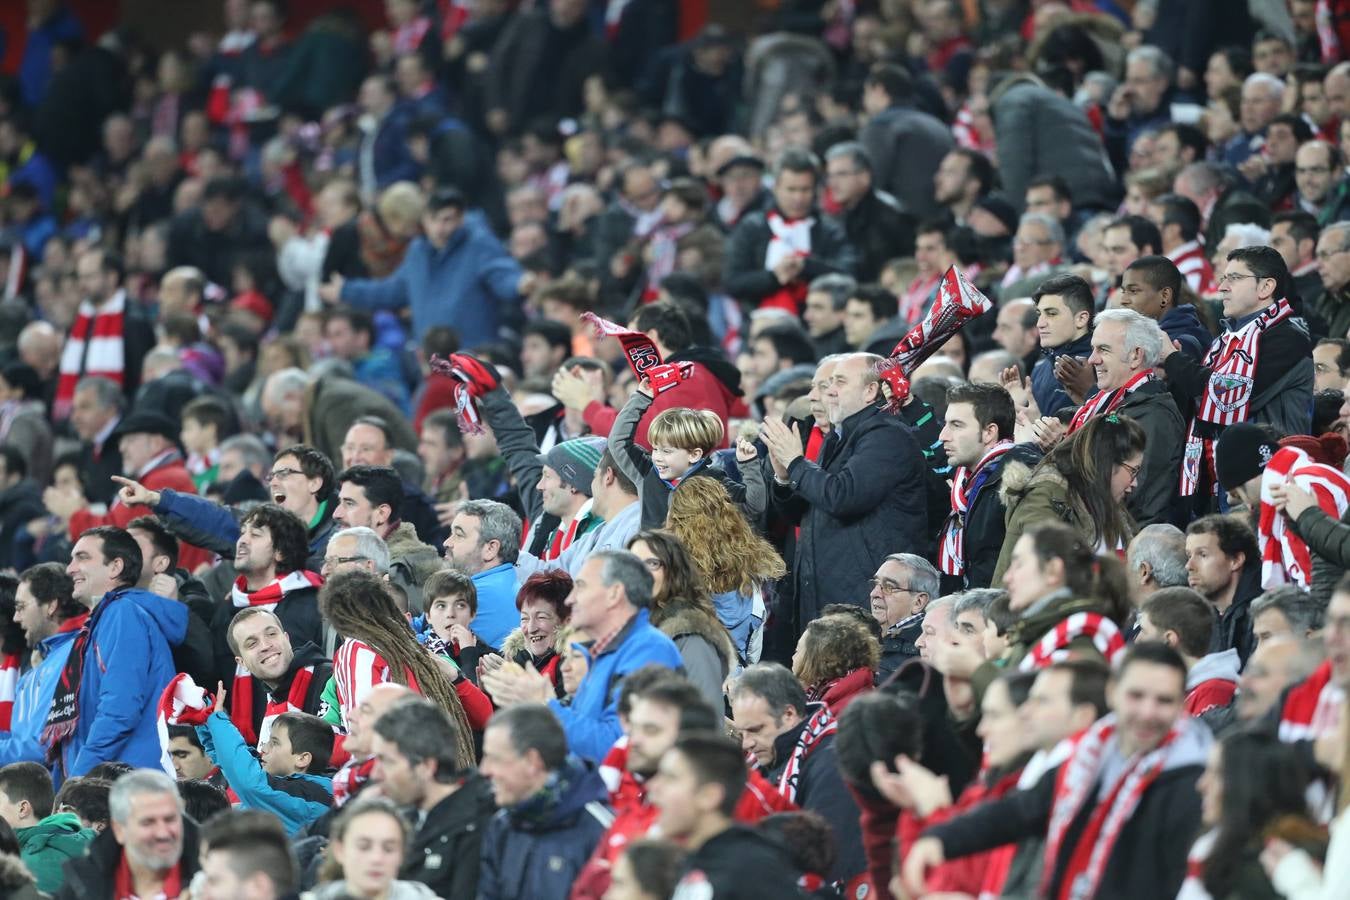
(321, 411)
(1331, 305)
(372, 497)
(1184, 621)
(106, 710)
(542, 602)
(20, 498)
(484, 542)
(553, 809)
(898, 130)
(371, 441)
(1273, 668)
(25, 427)
(826, 300)
(417, 766)
(1151, 286)
(87, 797)
(1155, 559)
(1284, 612)
(215, 235)
(963, 177)
(1016, 332)
(272, 675)
(563, 54)
(1221, 554)
(150, 849)
(900, 609)
(647, 870)
(1220, 201)
(378, 823)
(350, 334)
(1065, 307)
(874, 221)
(247, 854)
(836, 660)
(610, 598)
(845, 508)
(47, 841)
(384, 157)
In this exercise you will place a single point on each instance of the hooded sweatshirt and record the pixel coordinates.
(46, 846)
(1212, 682)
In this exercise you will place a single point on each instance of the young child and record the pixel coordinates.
(289, 783)
(206, 422)
(451, 603)
(682, 440)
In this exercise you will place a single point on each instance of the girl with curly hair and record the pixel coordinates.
(683, 609)
(733, 560)
(379, 646)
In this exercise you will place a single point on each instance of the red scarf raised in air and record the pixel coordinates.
(641, 353)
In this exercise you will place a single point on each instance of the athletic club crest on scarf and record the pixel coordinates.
(958, 301)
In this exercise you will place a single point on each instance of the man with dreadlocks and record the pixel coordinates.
(380, 647)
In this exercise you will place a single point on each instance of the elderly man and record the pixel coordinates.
(1125, 350)
(1015, 330)
(1286, 611)
(1156, 559)
(150, 850)
(772, 256)
(901, 589)
(864, 497)
(609, 600)
(1140, 103)
(95, 412)
(484, 542)
(1274, 666)
(873, 220)
(1262, 94)
(299, 406)
(1038, 249)
(1220, 201)
(1333, 262)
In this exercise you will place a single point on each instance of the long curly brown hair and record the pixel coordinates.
(832, 646)
(723, 546)
(359, 607)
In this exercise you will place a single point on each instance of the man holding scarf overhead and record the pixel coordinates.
(772, 256)
(1259, 369)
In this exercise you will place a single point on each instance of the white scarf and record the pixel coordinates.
(790, 238)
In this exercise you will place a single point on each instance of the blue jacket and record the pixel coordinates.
(1050, 397)
(127, 664)
(215, 527)
(32, 700)
(1182, 324)
(296, 800)
(592, 719)
(497, 614)
(461, 285)
(737, 612)
(380, 370)
(535, 850)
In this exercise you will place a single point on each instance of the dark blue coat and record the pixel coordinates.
(1182, 324)
(1050, 397)
(535, 850)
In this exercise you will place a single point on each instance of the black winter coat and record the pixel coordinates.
(446, 850)
(741, 863)
(865, 499)
(744, 275)
(91, 877)
(299, 615)
(881, 229)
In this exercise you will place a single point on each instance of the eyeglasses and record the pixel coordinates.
(1133, 470)
(1232, 277)
(1030, 241)
(888, 587)
(1324, 255)
(283, 473)
(334, 562)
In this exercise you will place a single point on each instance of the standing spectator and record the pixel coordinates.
(350, 334)
(906, 145)
(792, 742)
(963, 177)
(214, 235)
(384, 157)
(484, 542)
(901, 591)
(150, 850)
(304, 408)
(855, 508)
(772, 256)
(1141, 103)
(539, 66)
(1065, 306)
(456, 274)
(104, 707)
(371, 441)
(873, 221)
(552, 808)
(373, 497)
(417, 766)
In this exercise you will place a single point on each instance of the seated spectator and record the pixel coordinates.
(544, 613)
(87, 798)
(647, 870)
(202, 799)
(417, 765)
(901, 591)
(47, 840)
(552, 806)
(190, 762)
(836, 661)
(1182, 619)
(373, 497)
(247, 853)
(354, 871)
(134, 859)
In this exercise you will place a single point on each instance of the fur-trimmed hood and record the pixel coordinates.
(1020, 476)
(514, 645)
(13, 875)
(687, 621)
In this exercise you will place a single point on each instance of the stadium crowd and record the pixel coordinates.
(546, 449)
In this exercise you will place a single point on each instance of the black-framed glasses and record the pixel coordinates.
(330, 562)
(282, 473)
(1133, 470)
(888, 587)
(1233, 277)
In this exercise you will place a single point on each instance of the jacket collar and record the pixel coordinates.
(1077, 347)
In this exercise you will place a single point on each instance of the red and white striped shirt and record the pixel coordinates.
(356, 669)
(1195, 268)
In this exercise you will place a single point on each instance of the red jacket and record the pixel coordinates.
(702, 390)
(967, 874)
(169, 474)
(840, 692)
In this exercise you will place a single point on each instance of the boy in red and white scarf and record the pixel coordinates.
(1119, 814)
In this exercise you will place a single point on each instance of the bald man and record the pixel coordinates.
(40, 347)
(355, 772)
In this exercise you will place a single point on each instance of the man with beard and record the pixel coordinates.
(276, 678)
(1223, 564)
(484, 542)
(371, 497)
(150, 850)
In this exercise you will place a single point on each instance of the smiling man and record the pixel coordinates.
(276, 678)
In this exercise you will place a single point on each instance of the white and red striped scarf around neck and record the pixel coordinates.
(241, 703)
(10, 663)
(1232, 361)
(1107, 401)
(966, 484)
(93, 348)
(789, 237)
(273, 593)
(819, 725)
(1285, 557)
(1054, 644)
(1077, 784)
(1312, 708)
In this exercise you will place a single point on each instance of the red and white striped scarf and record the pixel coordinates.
(1107, 401)
(1054, 645)
(1190, 261)
(663, 250)
(10, 664)
(1232, 361)
(966, 486)
(93, 348)
(790, 237)
(1075, 786)
(1312, 707)
(349, 780)
(1285, 557)
(241, 703)
(1193, 888)
(275, 592)
(821, 724)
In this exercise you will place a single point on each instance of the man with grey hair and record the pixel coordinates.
(484, 542)
(901, 590)
(298, 407)
(782, 731)
(150, 850)
(1286, 611)
(1333, 265)
(1220, 200)
(1038, 249)
(609, 601)
(243, 452)
(826, 298)
(1262, 94)
(988, 367)
(357, 547)
(1126, 347)
(1139, 103)
(875, 221)
(939, 619)
(1156, 559)
(94, 413)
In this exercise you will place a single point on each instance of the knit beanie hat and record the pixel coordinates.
(575, 461)
(1242, 453)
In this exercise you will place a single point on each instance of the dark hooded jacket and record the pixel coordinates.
(446, 850)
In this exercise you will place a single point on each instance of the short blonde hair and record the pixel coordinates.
(687, 429)
(402, 203)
